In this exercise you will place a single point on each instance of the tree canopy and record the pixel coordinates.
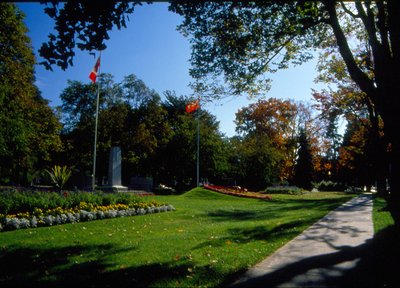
(29, 130)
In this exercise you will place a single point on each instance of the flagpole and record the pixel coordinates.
(95, 132)
(198, 146)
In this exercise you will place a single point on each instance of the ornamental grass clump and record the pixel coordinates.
(59, 176)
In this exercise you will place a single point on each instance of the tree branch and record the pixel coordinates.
(348, 11)
(355, 72)
(382, 26)
(369, 24)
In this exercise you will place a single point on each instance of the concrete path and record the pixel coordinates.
(322, 254)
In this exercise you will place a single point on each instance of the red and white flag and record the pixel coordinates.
(93, 74)
(192, 106)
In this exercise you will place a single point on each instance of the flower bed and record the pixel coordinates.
(237, 192)
(83, 212)
(25, 209)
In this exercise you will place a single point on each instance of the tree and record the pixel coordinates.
(350, 102)
(241, 41)
(29, 130)
(178, 157)
(130, 116)
(280, 121)
(355, 154)
(304, 168)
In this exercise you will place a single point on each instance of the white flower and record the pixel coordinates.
(12, 223)
(121, 213)
(71, 218)
(57, 220)
(111, 214)
(34, 222)
(24, 223)
(91, 216)
(64, 218)
(100, 215)
(141, 211)
(84, 215)
(48, 220)
(77, 216)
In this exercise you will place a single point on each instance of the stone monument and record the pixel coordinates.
(114, 171)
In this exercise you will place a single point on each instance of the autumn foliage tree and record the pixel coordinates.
(345, 99)
(277, 125)
(356, 154)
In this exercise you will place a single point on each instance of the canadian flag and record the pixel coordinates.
(192, 106)
(93, 74)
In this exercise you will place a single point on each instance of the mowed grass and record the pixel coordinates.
(209, 240)
(380, 215)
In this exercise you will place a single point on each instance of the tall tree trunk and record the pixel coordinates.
(381, 165)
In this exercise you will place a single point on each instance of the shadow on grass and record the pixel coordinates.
(56, 268)
(377, 266)
(245, 235)
(275, 209)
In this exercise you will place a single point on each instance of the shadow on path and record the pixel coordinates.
(377, 265)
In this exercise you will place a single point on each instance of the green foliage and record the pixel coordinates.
(130, 116)
(261, 161)
(381, 215)
(303, 170)
(242, 41)
(59, 175)
(329, 186)
(77, 31)
(13, 201)
(148, 131)
(268, 142)
(290, 190)
(29, 130)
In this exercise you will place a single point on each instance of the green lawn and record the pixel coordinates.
(381, 215)
(209, 239)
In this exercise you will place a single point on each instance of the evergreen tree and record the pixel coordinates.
(303, 170)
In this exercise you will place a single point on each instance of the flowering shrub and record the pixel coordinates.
(237, 192)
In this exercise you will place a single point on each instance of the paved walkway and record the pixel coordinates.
(320, 256)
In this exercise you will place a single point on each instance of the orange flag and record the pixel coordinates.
(93, 74)
(192, 106)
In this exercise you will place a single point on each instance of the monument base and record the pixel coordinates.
(114, 188)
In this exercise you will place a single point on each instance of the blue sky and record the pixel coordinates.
(152, 49)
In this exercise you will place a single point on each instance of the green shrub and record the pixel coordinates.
(164, 191)
(13, 201)
(329, 186)
(291, 190)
